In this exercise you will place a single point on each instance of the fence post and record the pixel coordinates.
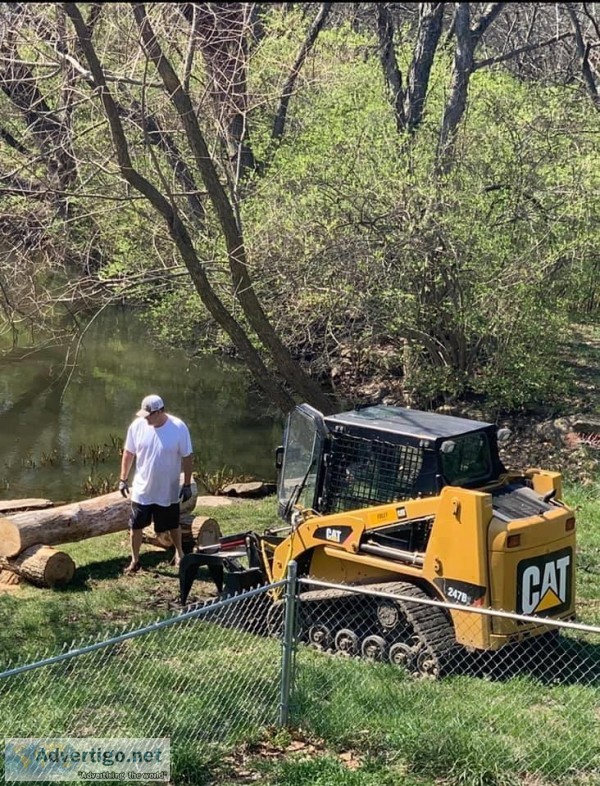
(287, 644)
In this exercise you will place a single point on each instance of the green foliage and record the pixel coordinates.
(473, 272)
(370, 262)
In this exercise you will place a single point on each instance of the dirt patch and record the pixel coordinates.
(248, 761)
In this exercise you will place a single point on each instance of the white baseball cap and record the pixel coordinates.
(150, 404)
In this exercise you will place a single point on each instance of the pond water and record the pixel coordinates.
(60, 435)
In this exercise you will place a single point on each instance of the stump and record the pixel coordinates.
(42, 566)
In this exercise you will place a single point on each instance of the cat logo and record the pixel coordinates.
(544, 583)
(333, 534)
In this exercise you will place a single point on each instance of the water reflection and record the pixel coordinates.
(44, 421)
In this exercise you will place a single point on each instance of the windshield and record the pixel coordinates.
(300, 461)
(466, 459)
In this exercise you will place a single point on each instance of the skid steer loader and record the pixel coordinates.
(416, 504)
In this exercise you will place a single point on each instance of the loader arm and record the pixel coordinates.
(344, 531)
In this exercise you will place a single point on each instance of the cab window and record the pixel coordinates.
(466, 459)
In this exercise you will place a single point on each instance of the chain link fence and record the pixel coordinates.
(528, 713)
(349, 670)
(207, 679)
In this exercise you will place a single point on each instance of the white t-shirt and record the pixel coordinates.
(158, 453)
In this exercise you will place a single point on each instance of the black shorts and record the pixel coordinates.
(163, 518)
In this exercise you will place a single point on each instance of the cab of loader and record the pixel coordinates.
(374, 455)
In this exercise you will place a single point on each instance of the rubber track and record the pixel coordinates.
(429, 622)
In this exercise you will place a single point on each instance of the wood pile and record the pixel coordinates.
(29, 529)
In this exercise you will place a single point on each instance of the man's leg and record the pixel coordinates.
(140, 518)
(167, 520)
(135, 541)
(176, 538)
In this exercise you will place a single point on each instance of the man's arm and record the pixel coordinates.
(186, 465)
(126, 463)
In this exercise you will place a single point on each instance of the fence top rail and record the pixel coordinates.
(357, 589)
(132, 634)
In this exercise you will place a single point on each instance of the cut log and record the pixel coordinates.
(68, 523)
(163, 539)
(41, 565)
(14, 505)
(205, 531)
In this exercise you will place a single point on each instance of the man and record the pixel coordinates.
(161, 447)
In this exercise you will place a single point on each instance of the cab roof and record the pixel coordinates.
(409, 422)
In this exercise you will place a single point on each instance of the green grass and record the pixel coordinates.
(362, 724)
(101, 600)
(586, 503)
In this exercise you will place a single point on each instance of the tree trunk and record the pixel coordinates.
(42, 566)
(177, 228)
(67, 523)
(431, 17)
(467, 39)
(387, 56)
(290, 370)
(288, 88)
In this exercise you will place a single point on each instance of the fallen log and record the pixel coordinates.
(14, 505)
(41, 565)
(68, 523)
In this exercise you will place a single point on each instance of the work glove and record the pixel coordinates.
(124, 488)
(185, 493)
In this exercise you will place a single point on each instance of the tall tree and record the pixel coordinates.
(180, 231)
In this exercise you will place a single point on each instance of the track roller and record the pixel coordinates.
(319, 636)
(388, 615)
(346, 642)
(374, 648)
(401, 654)
(427, 665)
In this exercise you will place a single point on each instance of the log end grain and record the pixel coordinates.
(10, 538)
(60, 570)
(205, 531)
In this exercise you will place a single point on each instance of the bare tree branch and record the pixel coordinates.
(591, 19)
(583, 50)
(12, 142)
(288, 87)
(520, 50)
